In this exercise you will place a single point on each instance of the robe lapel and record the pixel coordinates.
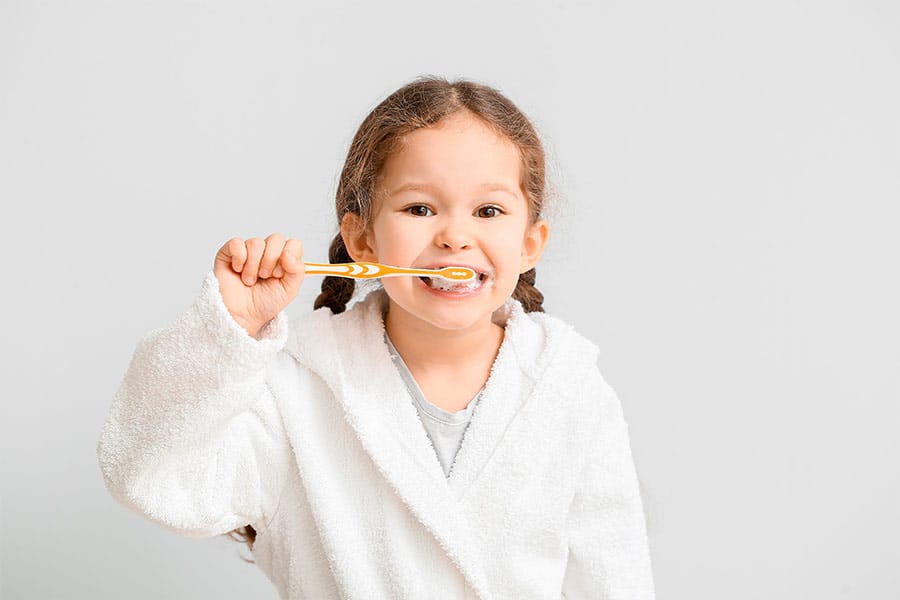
(527, 413)
(505, 394)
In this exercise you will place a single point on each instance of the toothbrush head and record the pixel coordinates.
(455, 273)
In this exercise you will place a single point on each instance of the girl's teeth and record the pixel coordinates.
(438, 283)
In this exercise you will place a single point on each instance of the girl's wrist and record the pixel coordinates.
(252, 327)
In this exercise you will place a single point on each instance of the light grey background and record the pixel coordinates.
(729, 236)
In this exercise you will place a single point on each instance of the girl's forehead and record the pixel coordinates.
(460, 128)
(462, 152)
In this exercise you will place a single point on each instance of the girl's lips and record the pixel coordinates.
(460, 290)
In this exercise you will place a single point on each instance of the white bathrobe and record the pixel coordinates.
(308, 434)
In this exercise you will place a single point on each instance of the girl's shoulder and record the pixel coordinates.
(564, 359)
(550, 337)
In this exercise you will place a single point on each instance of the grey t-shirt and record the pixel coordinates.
(444, 429)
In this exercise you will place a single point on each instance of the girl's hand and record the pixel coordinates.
(258, 278)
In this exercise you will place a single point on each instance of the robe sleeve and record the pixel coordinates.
(193, 440)
(609, 555)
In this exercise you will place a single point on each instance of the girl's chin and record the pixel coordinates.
(455, 315)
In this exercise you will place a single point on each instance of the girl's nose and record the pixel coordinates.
(453, 236)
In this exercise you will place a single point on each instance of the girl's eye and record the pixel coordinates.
(419, 210)
(489, 212)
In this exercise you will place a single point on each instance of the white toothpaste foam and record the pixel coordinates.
(447, 285)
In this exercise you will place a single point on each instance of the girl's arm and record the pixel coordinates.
(608, 550)
(193, 439)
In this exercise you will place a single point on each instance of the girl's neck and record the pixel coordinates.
(425, 347)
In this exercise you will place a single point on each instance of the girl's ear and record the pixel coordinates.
(533, 245)
(356, 238)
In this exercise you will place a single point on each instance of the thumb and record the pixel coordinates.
(292, 263)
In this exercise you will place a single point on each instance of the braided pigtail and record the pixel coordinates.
(336, 291)
(531, 298)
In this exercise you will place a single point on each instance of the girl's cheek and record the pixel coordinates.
(396, 285)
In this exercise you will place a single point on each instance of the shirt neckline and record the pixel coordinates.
(432, 410)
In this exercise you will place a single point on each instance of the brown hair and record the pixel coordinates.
(424, 102)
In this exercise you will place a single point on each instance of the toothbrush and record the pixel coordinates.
(368, 270)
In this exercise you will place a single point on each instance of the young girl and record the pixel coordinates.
(434, 440)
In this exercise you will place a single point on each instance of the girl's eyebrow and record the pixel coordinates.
(490, 186)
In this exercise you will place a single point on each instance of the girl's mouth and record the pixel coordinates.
(445, 285)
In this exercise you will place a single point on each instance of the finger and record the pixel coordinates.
(274, 246)
(292, 257)
(278, 271)
(255, 249)
(292, 261)
(233, 253)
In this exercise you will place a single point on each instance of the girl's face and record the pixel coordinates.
(451, 196)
